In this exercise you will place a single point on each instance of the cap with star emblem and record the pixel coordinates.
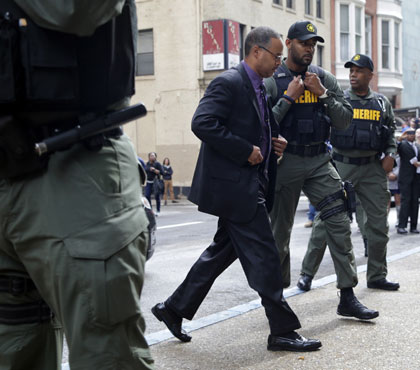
(360, 60)
(303, 30)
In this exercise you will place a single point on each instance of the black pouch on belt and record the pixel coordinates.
(17, 155)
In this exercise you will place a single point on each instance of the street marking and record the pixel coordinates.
(160, 336)
(179, 225)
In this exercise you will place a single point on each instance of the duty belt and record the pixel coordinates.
(357, 161)
(306, 150)
(16, 285)
(26, 313)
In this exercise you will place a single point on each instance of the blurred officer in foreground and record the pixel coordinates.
(73, 229)
(235, 167)
(308, 102)
(357, 153)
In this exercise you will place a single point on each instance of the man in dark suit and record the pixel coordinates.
(234, 180)
(408, 182)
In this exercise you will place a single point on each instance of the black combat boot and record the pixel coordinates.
(351, 307)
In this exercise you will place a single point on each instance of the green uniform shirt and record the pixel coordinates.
(79, 17)
(337, 107)
(388, 120)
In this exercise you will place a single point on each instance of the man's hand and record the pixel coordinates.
(387, 163)
(313, 84)
(279, 144)
(255, 157)
(402, 136)
(295, 88)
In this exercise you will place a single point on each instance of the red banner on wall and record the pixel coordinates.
(213, 45)
(221, 44)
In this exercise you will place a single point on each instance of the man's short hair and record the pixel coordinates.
(260, 36)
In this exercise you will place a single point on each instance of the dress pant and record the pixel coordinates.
(409, 203)
(254, 245)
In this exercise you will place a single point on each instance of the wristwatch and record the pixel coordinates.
(324, 95)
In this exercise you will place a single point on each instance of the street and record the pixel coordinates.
(183, 233)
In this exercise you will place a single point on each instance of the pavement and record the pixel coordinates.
(237, 338)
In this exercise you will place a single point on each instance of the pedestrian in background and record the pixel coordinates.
(408, 182)
(74, 233)
(153, 171)
(167, 173)
(232, 180)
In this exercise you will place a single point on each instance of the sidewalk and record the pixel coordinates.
(389, 342)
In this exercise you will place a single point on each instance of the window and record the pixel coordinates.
(344, 32)
(290, 4)
(397, 46)
(278, 2)
(308, 8)
(368, 35)
(358, 30)
(319, 9)
(385, 44)
(145, 55)
(319, 55)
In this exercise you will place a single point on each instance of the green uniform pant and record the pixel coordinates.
(79, 232)
(360, 217)
(317, 178)
(370, 184)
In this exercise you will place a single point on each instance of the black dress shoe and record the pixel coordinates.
(401, 230)
(304, 282)
(172, 321)
(383, 284)
(351, 307)
(414, 231)
(296, 344)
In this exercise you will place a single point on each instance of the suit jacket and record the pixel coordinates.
(407, 171)
(228, 122)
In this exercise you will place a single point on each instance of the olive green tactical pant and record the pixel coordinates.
(317, 178)
(371, 187)
(79, 232)
(361, 218)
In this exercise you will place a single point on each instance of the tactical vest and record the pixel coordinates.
(44, 70)
(366, 131)
(306, 120)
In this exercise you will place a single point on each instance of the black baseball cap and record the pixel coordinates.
(360, 60)
(303, 30)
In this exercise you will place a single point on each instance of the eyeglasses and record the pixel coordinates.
(277, 58)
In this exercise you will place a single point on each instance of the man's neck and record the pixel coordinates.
(361, 92)
(295, 67)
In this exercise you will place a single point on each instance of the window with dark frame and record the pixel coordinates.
(290, 4)
(308, 7)
(278, 2)
(397, 46)
(319, 9)
(344, 32)
(145, 64)
(320, 55)
(385, 44)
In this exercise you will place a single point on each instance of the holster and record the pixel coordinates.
(347, 194)
(17, 155)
